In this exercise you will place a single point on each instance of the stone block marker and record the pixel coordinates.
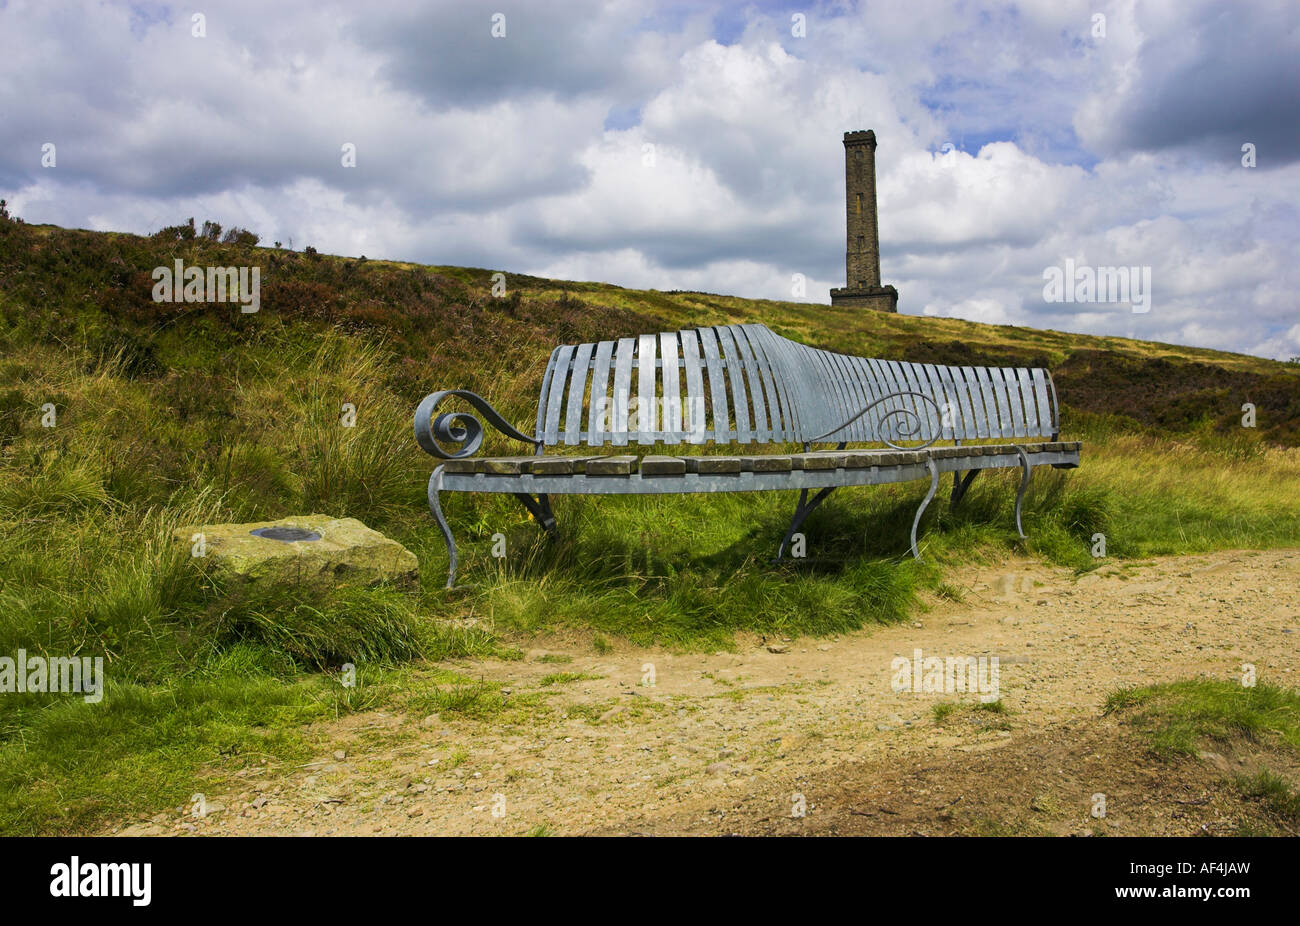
(306, 549)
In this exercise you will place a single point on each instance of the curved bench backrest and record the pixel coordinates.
(742, 384)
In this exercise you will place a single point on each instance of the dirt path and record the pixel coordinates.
(725, 742)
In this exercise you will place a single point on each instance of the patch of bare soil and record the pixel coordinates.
(730, 742)
(1090, 778)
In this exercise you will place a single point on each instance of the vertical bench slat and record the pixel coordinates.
(721, 431)
(1052, 416)
(1045, 425)
(739, 360)
(646, 394)
(992, 422)
(543, 397)
(889, 421)
(1002, 380)
(671, 375)
(1056, 403)
(577, 391)
(965, 415)
(765, 367)
(772, 398)
(948, 391)
(600, 409)
(893, 382)
(621, 397)
(952, 405)
(898, 383)
(754, 379)
(757, 388)
(805, 411)
(695, 416)
(829, 394)
(978, 408)
(1019, 377)
(1022, 402)
(843, 387)
(914, 379)
(1006, 382)
(999, 387)
(871, 383)
(867, 381)
(986, 389)
(1029, 400)
(739, 401)
(902, 384)
(928, 383)
(787, 372)
(946, 396)
(867, 389)
(555, 401)
(939, 388)
(847, 386)
(916, 422)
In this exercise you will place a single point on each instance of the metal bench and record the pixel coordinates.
(746, 385)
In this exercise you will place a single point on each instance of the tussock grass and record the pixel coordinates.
(564, 678)
(1279, 796)
(355, 468)
(325, 631)
(980, 716)
(1169, 496)
(1178, 718)
(1183, 718)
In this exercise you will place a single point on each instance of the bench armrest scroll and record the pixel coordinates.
(459, 427)
(907, 414)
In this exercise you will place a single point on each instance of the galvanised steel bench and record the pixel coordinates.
(746, 385)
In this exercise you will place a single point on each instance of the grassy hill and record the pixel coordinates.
(171, 414)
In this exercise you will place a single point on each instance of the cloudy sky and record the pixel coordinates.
(696, 145)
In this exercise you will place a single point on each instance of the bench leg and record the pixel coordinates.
(1024, 484)
(960, 483)
(435, 486)
(540, 508)
(801, 512)
(548, 516)
(925, 503)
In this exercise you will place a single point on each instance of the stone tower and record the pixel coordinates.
(862, 287)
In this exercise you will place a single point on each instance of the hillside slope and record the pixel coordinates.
(93, 290)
